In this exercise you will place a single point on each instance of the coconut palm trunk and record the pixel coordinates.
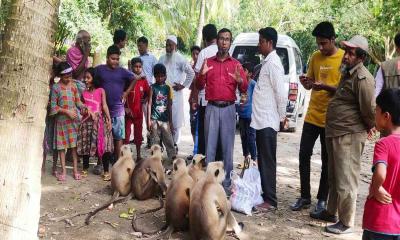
(200, 22)
(25, 63)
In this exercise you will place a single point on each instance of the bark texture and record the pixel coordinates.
(25, 63)
(200, 22)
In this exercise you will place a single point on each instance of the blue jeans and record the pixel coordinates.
(248, 137)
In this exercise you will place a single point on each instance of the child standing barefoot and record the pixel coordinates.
(160, 112)
(382, 209)
(65, 103)
(133, 106)
(94, 135)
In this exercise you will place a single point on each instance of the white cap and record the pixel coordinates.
(357, 41)
(173, 39)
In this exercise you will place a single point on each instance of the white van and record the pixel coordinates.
(244, 48)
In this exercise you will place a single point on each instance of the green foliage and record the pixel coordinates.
(4, 11)
(82, 14)
(378, 20)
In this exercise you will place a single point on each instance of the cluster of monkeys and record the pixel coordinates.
(194, 200)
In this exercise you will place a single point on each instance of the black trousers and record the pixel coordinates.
(367, 235)
(266, 149)
(308, 137)
(201, 146)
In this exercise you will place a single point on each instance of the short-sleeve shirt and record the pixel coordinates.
(149, 60)
(325, 69)
(113, 81)
(385, 218)
(135, 97)
(162, 94)
(244, 110)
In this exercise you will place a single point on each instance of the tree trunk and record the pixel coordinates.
(201, 22)
(25, 63)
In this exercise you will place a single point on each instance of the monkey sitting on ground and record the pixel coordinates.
(121, 175)
(148, 178)
(196, 168)
(210, 212)
(178, 199)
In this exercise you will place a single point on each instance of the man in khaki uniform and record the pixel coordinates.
(349, 119)
(388, 75)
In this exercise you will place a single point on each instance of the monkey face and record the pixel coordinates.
(216, 170)
(179, 165)
(126, 150)
(155, 148)
(199, 160)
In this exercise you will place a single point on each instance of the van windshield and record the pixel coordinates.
(251, 54)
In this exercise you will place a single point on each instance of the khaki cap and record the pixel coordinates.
(357, 41)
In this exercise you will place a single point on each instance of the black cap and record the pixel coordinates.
(324, 30)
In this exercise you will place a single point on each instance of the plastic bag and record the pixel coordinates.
(246, 191)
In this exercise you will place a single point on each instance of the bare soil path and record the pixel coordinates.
(76, 196)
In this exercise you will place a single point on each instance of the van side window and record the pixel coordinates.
(297, 59)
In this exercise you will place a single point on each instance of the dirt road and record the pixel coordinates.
(76, 196)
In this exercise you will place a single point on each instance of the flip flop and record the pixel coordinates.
(84, 173)
(61, 177)
(55, 173)
(77, 176)
(106, 177)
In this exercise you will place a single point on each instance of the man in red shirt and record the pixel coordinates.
(221, 75)
(133, 105)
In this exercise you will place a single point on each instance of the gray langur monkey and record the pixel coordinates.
(210, 213)
(121, 175)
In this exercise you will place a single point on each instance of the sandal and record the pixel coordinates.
(60, 177)
(84, 173)
(77, 176)
(106, 177)
(55, 173)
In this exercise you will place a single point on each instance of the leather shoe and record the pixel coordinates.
(325, 216)
(301, 203)
(321, 205)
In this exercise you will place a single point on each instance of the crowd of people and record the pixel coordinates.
(92, 111)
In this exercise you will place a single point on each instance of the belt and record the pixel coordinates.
(221, 104)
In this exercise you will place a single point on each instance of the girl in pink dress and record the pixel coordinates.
(94, 137)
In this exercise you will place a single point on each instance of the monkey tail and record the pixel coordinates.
(114, 200)
(135, 227)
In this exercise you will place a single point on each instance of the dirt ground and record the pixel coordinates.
(65, 199)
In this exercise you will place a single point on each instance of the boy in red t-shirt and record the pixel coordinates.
(133, 106)
(382, 209)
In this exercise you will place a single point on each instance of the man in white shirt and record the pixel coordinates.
(210, 39)
(149, 61)
(269, 111)
(179, 75)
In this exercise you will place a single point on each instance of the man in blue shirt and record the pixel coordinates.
(148, 59)
(247, 133)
